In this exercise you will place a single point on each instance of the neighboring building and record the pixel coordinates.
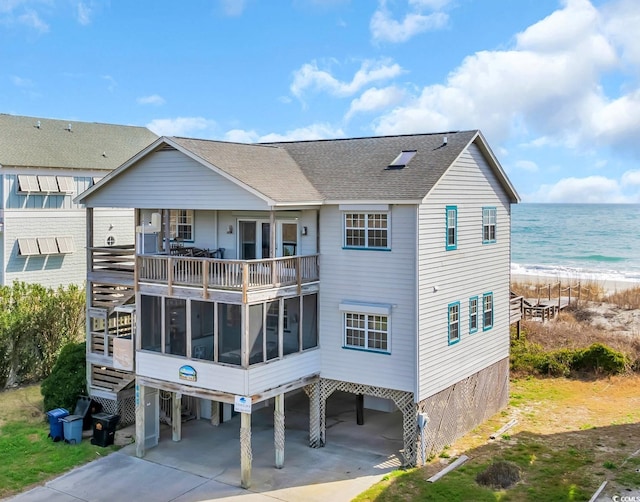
(44, 163)
(377, 266)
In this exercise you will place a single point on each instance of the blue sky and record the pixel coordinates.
(552, 84)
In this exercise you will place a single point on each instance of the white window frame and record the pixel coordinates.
(489, 224)
(28, 246)
(48, 184)
(453, 320)
(66, 245)
(367, 229)
(174, 225)
(371, 313)
(28, 183)
(47, 245)
(66, 184)
(487, 309)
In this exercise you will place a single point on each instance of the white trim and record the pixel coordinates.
(365, 307)
(364, 207)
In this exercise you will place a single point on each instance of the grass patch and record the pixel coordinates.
(563, 446)
(27, 455)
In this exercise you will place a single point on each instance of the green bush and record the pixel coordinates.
(67, 380)
(600, 358)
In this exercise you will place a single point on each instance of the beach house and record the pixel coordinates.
(44, 163)
(376, 266)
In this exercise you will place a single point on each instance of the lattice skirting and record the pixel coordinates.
(319, 393)
(456, 410)
(124, 406)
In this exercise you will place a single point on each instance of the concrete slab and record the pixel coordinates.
(205, 464)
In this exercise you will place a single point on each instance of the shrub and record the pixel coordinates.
(600, 358)
(67, 380)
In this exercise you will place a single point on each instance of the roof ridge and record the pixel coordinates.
(438, 133)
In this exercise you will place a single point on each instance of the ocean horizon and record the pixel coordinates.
(599, 242)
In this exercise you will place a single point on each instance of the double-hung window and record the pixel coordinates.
(366, 331)
(489, 217)
(366, 230)
(473, 314)
(181, 223)
(454, 322)
(452, 227)
(487, 311)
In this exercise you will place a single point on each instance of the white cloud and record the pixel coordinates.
(590, 190)
(154, 99)
(111, 82)
(183, 126)
(526, 165)
(631, 178)
(241, 136)
(21, 82)
(375, 99)
(312, 132)
(233, 8)
(309, 76)
(550, 85)
(32, 19)
(385, 28)
(84, 13)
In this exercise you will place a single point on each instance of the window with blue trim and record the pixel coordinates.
(366, 331)
(454, 322)
(452, 227)
(473, 314)
(366, 230)
(489, 219)
(487, 311)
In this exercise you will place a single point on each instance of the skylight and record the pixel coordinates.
(403, 159)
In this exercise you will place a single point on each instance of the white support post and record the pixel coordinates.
(140, 425)
(245, 450)
(278, 430)
(176, 416)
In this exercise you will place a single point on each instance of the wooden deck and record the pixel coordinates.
(542, 307)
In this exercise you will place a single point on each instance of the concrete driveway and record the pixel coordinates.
(205, 464)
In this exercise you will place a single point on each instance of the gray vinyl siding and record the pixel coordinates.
(382, 277)
(173, 180)
(471, 270)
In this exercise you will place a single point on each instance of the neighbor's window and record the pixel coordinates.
(181, 224)
(366, 230)
(366, 331)
(452, 227)
(487, 311)
(473, 314)
(488, 225)
(454, 322)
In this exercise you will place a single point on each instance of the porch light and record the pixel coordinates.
(303, 231)
(230, 229)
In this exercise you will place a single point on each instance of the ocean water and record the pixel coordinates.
(589, 241)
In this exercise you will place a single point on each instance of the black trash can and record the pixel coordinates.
(86, 407)
(104, 429)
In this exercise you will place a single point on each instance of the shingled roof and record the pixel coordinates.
(42, 142)
(268, 170)
(358, 168)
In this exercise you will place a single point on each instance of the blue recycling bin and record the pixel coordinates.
(55, 424)
(72, 428)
